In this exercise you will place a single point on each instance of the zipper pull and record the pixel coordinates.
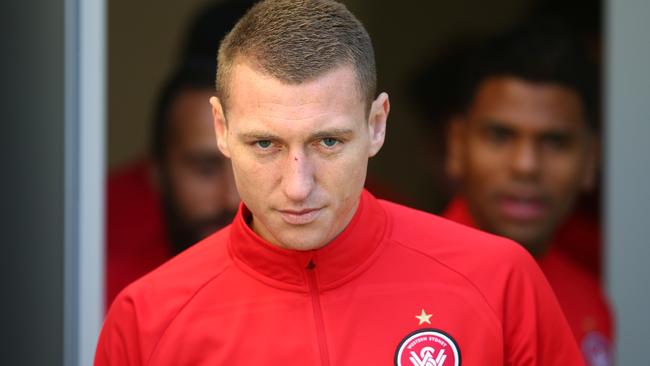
(311, 264)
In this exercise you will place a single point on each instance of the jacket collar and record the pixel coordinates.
(343, 258)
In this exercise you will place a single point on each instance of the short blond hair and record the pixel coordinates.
(297, 41)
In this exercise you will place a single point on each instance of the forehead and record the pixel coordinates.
(190, 117)
(524, 104)
(255, 92)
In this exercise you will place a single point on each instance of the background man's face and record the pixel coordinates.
(299, 152)
(198, 187)
(523, 153)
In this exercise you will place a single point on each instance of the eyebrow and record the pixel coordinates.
(491, 124)
(334, 132)
(261, 135)
(257, 135)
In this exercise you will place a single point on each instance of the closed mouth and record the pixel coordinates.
(522, 208)
(300, 217)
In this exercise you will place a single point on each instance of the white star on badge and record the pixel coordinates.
(424, 317)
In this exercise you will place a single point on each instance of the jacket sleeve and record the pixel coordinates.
(535, 329)
(119, 343)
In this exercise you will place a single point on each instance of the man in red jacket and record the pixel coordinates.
(524, 149)
(314, 270)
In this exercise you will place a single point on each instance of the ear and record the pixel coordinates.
(377, 123)
(591, 164)
(455, 146)
(220, 126)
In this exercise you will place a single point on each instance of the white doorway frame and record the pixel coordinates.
(85, 120)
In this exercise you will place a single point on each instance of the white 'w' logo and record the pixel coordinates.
(426, 357)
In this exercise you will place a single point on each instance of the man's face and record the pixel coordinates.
(523, 152)
(299, 152)
(198, 187)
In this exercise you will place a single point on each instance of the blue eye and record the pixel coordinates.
(329, 142)
(264, 144)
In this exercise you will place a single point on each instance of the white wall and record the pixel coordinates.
(627, 179)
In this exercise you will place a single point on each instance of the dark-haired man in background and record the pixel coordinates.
(524, 148)
(160, 206)
(182, 190)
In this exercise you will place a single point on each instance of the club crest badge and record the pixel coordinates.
(596, 350)
(427, 347)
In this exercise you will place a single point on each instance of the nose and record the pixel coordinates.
(298, 176)
(526, 160)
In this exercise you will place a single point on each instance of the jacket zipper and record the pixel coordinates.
(318, 313)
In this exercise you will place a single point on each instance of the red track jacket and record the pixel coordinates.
(397, 286)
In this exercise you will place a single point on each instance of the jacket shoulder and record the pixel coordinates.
(186, 272)
(143, 311)
(487, 262)
(446, 239)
